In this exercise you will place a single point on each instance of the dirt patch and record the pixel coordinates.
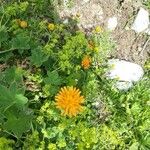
(90, 13)
(129, 45)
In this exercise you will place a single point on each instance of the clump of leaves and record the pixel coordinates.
(147, 3)
(6, 144)
(14, 113)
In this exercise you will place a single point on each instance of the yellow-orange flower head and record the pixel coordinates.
(23, 24)
(86, 62)
(69, 101)
(51, 26)
(98, 29)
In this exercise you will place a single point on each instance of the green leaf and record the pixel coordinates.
(9, 99)
(20, 100)
(38, 57)
(136, 108)
(13, 78)
(5, 56)
(14, 114)
(13, 75)
(53, 78)
(3, 34)
(18, 125)
(72, 79)
(146, 141)
(53, 89)
(6, 143)
(18, 89)
(134, 146)
(6, 97)
(61, 143)
(21, 42)
(2, 116)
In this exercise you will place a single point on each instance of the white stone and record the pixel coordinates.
(126, 73)
(112, 23)
(142, 22)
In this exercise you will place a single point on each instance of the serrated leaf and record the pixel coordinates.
(20, 100)
(13, 78)
(2, 116)
(13, 75)
(9, 99)
(3, 34)
(38, 57)
(21, 42)
(53, 90)
(6, 97)
(14, 115)
(53, 78)
(18, 125)
(17, 88)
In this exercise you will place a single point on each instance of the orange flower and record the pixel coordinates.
(69, 101)
(86, 62)
(23, 24)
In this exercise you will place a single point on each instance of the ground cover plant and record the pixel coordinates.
(53, 91)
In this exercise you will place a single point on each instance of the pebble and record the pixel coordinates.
(142, 22)
(112, 23)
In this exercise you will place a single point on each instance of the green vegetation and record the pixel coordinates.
(38, 56)
(147, 3)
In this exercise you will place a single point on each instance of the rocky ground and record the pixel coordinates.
(131, 46)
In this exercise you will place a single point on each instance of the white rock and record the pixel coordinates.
(125, 72)
(112, 23)
(142, 22)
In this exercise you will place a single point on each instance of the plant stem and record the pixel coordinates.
(9, 50)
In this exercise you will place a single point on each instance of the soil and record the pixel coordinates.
(130, 46)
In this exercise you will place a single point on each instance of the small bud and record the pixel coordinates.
(51, 26)
(23, 24)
